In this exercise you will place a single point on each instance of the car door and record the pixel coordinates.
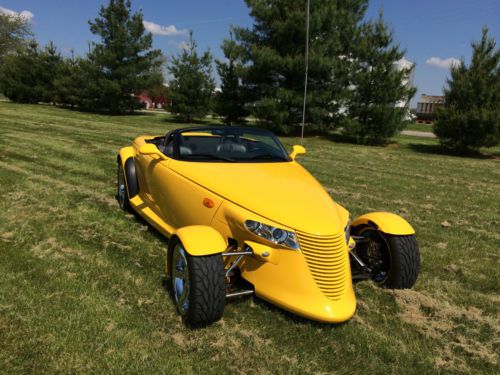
(147, 167)
(182, 202)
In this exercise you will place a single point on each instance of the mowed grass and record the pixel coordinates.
(419, 127)
(81, 283)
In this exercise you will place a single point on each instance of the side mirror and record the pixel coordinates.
(297, 150)
(150, 149)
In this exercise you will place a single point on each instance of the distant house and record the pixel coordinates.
(427, 105)
(152, 103)
(145, 100)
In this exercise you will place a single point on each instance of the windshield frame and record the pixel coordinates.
(233, 130)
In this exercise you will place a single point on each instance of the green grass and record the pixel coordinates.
(419, 127)
(81, 286)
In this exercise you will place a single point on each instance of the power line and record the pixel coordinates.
(306, 73)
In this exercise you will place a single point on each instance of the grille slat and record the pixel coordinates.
(322, 244)
(326, 257)
(319, 268)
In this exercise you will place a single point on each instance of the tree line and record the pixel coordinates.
(354, 86)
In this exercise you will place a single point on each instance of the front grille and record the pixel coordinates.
(326, 257)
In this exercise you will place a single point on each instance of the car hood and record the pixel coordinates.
(283, 192)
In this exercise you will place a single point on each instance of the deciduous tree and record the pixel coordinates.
(15, 31)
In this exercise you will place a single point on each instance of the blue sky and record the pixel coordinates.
(432, 32)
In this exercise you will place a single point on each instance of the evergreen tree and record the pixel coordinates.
(28, 75)
(19, 73)
(230, 102)
(192, 85)
(49, 62)
(125, 59)
(471, 117)
(77, 83)
(376, 86)
(273, 55)
(15, 32)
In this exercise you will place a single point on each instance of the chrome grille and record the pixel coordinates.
(326, 257)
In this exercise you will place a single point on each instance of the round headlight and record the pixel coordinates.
(279, 235)
(252, 225)
(273, 234)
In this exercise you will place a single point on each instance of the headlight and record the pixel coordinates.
(273, 234)
(347, 231)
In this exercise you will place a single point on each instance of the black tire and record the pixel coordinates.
(122, 192)
(405, 262)
(395, 260)
(206, 289)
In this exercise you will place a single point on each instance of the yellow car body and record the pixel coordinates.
(205, 205)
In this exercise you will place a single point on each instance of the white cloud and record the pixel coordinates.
(25, 14)
(443, 63)
(156, 29)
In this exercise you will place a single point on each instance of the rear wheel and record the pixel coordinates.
(394, 260)
(122, 193)
(198, 286)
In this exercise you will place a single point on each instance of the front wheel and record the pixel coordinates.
(198, 286)
(394, 260)
(122, 193)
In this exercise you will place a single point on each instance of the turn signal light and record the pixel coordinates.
(207, 202)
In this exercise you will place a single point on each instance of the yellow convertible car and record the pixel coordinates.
(244, 217)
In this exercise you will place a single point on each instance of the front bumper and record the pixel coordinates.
(314, 282)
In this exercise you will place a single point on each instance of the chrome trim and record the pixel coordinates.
(239, 293)
(233, 265)
(231, 253)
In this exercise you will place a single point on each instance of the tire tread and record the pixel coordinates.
(207, 290)
(406, 262)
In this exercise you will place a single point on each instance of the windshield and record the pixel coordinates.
(230, 145)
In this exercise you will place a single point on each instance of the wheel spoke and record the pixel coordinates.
(178, 274)
(180, 278)
(185, 293)
(121, 185)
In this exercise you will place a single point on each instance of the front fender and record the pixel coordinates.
(386, 222)
(126, 158)
(200, 240)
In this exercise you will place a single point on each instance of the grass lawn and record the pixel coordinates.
(419, 127)
(81, 286)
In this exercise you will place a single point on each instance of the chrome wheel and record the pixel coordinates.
(121, 186)
(180, 278)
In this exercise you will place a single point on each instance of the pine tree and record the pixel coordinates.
(126, 61)
(471, 117)
(376, 86)
(230, 102)
(273, 55)
(76, 83)
(28, 75)
(18, 75)
(49, 62)
(21, 75)
(192, 85)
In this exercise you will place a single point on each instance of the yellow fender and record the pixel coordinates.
(126, 157)
(125, 153)
(385, 222)
(199, 240)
